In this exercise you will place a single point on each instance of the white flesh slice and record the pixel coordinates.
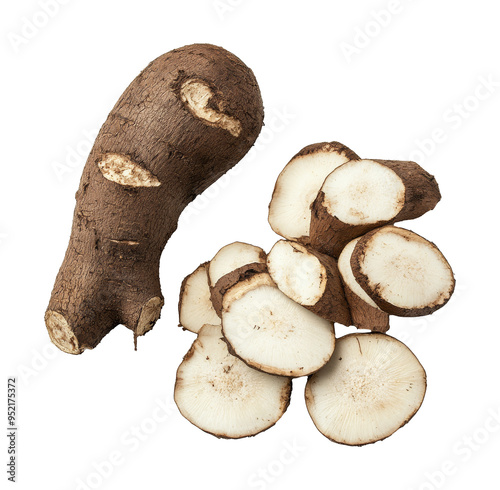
(296, 272)
(273, 333)
(406, 271)
(370, 388)
(196, 309)
(363, 192)
(232, 257)
(348, 276)
(296, 189)
(221, 395)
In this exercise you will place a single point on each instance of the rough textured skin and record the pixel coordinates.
(365, 316)
(177, 148)
(329, 235)
(356, 259)
(333, 305)
(229, 280)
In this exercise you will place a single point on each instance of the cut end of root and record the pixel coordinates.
(196, 94)
(405, 274)
(362, 192)
(122, 170)
(61, 334)
(150, 313)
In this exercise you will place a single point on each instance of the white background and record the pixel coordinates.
(391, 79)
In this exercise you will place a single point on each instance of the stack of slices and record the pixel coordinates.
(263, 319)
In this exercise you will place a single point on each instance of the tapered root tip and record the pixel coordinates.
(61, 334)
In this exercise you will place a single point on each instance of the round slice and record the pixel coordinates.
(403, 273)
(273, 333)
(364, 311)
(372, 386)
(298, 184)
(221, 395)
(309, 278)
(195, 306)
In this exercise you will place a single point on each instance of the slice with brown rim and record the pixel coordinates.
(403, 273)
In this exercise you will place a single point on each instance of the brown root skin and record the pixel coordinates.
(158, 149)
(365, 316)
(329, 235)
(363, 280)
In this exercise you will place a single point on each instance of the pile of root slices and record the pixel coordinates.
(263, 319)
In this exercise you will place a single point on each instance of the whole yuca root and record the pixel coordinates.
(187, 118)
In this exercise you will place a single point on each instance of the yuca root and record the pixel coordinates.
(406, 190)
(191, 115)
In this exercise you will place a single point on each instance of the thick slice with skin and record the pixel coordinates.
(372, 386)
(231, 264)
(186, 119)
(297, 187)
(364, 311)
(223, 396)
(310, 278)
(273, 333)
(195, 306)
(361, 195)
(403, 273)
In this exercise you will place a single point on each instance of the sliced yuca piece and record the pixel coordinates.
(364, 311)
(273, 333)
(298, 184)
(231, 264)
(361, 195)
(309, 278)
(372, 386)
(221, 395)
(195, 306)
(403, 273)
